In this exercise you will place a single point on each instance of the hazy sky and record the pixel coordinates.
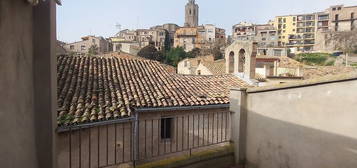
(77, 18)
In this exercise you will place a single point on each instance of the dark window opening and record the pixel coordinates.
(336, 17)
(166, 128)
(198, 72)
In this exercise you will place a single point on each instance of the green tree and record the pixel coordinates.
(150, 52)
(175, 55)
(194, 53)
(216, 52)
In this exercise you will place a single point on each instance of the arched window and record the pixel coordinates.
(241, 61)
(190, 12)
(352, 15)
(231, 62)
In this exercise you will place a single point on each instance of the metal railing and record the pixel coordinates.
(186, 133)
(142, 140)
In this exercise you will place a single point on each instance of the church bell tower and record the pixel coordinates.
(191, 14)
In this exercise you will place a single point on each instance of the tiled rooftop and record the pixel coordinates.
(93, 89)
(217, 67)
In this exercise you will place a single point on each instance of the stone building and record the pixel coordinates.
(86, 43)
(109, 108)
(157, 36)
(191, 14)
(120, 44)
(203, 37)
(243, 31)
(171, 29)
(343, 18)
(189, 38)
(264, 34)
(189, 66)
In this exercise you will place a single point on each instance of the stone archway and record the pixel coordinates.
(231, 62)
(241, 61)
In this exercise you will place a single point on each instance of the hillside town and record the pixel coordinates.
(289, 48)
(179, 95)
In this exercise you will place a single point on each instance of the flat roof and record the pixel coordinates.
(305, 83)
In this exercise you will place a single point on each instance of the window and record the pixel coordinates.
(284, 20)
(336, 17)
(198, 72)
(339, 8)
(352, 15)
(166, 128)
(198, 62)
(185, 63)
(294, 19)
(71, 47)
(83, 47)
(333, 9)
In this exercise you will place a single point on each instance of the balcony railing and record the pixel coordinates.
(141, 140)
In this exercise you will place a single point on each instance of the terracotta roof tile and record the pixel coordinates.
(217, 67)
(92, 89)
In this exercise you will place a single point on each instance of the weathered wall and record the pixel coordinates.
(204, 128)
(26, 83)
(17, 126)
(309, 127)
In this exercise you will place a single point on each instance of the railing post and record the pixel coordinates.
(135, 139)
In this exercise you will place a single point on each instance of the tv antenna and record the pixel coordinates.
(118, 26)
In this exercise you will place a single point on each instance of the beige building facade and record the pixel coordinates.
(202, 37)
(86, 43)
(264, 34)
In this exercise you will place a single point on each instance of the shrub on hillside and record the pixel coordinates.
(150, 52)
(313, 58)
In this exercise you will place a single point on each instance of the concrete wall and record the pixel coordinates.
(303, 126)
(190, 129)
(27, 84)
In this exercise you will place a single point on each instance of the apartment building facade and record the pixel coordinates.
(299, 32)
(264, 34)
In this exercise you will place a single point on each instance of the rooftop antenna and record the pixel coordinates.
(118, 26)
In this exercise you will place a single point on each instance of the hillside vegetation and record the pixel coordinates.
(316, 59)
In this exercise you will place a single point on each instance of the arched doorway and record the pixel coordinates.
(231, 62)
(241, 60)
